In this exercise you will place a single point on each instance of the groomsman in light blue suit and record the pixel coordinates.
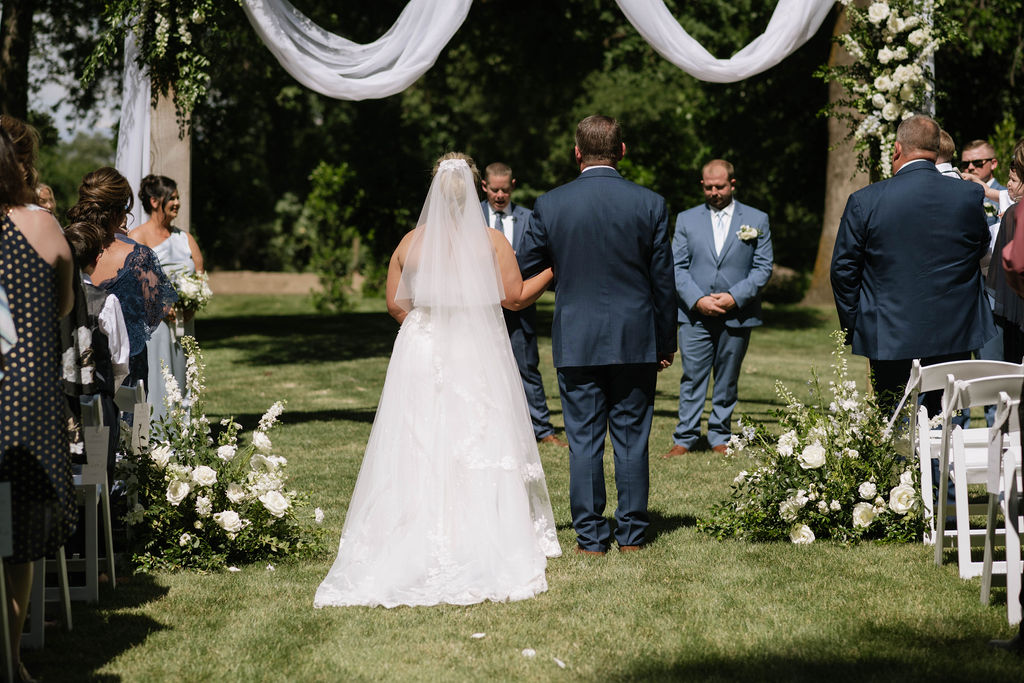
(722, 252)
(512, 219)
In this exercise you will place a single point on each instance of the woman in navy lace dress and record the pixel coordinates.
(125, 268)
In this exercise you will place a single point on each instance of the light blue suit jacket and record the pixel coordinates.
(742, 268)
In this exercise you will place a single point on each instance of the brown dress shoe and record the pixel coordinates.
(629, 548)
(583, 551)
(720, 448)
(552, 439)
(676, 451)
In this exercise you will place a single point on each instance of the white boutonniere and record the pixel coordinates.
(747, 233)
(991, 210)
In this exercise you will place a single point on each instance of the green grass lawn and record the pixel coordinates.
(686, 608)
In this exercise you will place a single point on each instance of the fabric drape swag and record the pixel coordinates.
(342, 69)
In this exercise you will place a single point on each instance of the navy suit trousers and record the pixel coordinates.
(597, 400)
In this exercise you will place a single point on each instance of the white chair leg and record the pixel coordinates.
(5, 627)
(1011, 511)
(109, 533)
(966, 566)
(990, 538)
(940, 503)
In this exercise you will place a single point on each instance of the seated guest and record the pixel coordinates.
(45, 198)
(109, 335)
(125, 268)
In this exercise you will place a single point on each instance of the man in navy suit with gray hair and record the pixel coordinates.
(905, 269)
(613, 330)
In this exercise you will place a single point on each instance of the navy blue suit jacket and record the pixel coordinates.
(525, 319)
(608, 241)
(905, 269)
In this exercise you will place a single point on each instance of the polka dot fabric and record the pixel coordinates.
(34, 453)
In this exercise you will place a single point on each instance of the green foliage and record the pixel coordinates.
(834, 473)
(61, 165)
(1004, 138)
(202, 504)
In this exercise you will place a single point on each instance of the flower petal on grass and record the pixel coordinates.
(559, 662)
(529, 653)
(234, 569)
(478, 636)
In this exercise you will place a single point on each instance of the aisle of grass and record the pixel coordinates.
(686, 608)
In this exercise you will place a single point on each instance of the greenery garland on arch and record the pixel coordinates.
(893, 43)
(173, 38)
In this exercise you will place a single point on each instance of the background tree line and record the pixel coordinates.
(284, 178)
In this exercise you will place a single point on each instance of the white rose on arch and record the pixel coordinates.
(204, 475)
(177, 490)
(878, 100)
(878, 12)
(890, 112)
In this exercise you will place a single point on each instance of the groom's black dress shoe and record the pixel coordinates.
(584, 551)
(1014, 645)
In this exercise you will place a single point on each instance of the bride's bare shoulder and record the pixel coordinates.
(403, 245)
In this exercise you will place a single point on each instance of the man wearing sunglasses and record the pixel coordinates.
(979, 159)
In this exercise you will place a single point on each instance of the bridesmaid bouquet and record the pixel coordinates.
(835, 472)
(205, 504)
(193, 289)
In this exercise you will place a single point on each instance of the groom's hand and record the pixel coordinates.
(709, 305)
(665, 360)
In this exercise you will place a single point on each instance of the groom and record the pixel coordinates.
(613, 329)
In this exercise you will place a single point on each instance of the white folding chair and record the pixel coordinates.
(965, 465)
(6, 549)
(93, 491)
(132, 400)
(1004, 487)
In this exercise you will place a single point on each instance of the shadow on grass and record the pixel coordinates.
(282, 339)
(102, 632)
(661, 523)
(291, 417)
(881, 654)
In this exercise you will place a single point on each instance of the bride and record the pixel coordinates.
(450, 505)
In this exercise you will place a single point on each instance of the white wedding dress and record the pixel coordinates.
(451, 504)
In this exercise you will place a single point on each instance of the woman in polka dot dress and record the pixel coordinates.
(36, 272)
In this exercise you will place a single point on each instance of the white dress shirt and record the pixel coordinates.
(721, 220)
(111, 323)
(507, 224)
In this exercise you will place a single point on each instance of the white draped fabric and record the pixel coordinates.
(133, 135)
(792, 24)
(339, 68)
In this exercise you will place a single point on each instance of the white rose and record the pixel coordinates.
(863, 515)
(878, 101)
(262, 442)
(229, 521)
(226, 452)
(787, 510)
(901, 53)
(907, 478)
(852, 453)
(835, 505)
(740, 478)
(275, 503)
(878, 12)
(918, 37)
(885, 55)
(204, 506)
(890, 112)
(235, 493)
(185, 539)
(883, 83)
(161, 455)
(176, 492)
(801, 534)
(812, 457)
(907, 92)
(901, 499)
(204, 475)
(318, 516)
(867, 490)
(822, 506)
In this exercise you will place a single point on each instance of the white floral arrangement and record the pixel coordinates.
(203, 504)
(193, 289)
(835, 472)
(748, 233)
(893, 44)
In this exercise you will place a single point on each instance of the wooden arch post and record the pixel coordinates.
(171, 155)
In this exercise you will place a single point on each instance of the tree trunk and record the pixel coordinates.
(15, 39)
(841, 179)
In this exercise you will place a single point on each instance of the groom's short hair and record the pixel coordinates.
(599, 139)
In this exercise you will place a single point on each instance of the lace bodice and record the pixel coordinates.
(145, 293)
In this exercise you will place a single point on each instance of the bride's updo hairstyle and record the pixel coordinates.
(460, 192)
(158, 187)
(104, 198)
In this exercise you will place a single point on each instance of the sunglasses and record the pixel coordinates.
(977, 163)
